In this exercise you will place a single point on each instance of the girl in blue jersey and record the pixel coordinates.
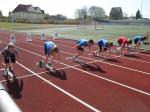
(80, 44)
(103, 45)
(51, 51)
(138, 40)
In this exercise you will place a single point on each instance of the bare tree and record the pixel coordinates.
(97, 12)
(81, 16)
(116, 13)
(81, 13)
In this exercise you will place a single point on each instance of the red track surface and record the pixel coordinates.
(119, 85)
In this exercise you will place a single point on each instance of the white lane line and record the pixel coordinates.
(23, 36)
(136, 60)
(61, 90)
(108, 80)
(119, 66)
(63, 68)
(87, 51)
(121, 56)
(19, 77)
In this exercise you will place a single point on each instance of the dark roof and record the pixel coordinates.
(21, 8)
(36, 8)
(24, 8)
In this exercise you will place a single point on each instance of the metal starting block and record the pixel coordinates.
(47, 66)
(9, 74)
(75, 60)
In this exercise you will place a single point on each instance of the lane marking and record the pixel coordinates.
(119, 66)
(106, 54)
(85, 50)
(108, 80)
(114, 82)
(63, 68)
(23, 36)
(61, 90)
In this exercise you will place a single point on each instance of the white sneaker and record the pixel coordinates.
(5, 73)
(49, 66)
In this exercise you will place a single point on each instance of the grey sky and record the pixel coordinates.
(68, 7)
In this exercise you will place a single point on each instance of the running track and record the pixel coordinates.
(118, 85)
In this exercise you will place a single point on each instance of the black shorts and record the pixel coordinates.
(80, 48)
(100, 48)
(120, 43)
(135, 41)
(46, 51)
(11, 58)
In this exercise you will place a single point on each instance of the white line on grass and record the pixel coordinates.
(114, 82)
(62, 90)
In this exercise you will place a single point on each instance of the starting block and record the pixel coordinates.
(47, 66)
(43, 37)
(75, 60)
(29, 37)
(12, 38)
(8, 73)
(69, 58)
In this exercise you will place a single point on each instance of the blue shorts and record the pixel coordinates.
(47, 50)
(102, 43)
(136, 40)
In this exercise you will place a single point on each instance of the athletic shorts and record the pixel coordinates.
(100, 48)
(47, 50)
(11, 58)
(80, 48)
(136, 41)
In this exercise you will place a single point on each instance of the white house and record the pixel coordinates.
(27, 13)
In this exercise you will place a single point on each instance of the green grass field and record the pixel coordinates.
(110, 32)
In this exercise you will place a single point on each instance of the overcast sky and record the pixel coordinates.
(68, 7)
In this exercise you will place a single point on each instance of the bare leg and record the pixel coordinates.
(7, 65)
(78, 54)
(46, 59)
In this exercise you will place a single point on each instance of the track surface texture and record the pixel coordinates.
(121, 84)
